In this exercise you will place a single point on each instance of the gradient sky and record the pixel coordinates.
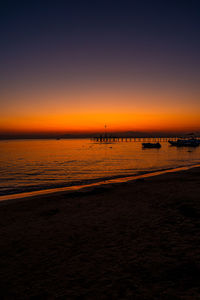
(72, 66)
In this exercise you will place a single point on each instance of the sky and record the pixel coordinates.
(74, 66)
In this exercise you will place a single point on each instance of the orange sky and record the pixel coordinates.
(88, 110)
(78, 66)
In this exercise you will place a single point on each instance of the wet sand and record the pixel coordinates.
(134, 240)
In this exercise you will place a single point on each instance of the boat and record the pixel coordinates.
(191, 142)
(151, 145)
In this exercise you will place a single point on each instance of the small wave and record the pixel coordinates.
(32, 173)
(97, 183)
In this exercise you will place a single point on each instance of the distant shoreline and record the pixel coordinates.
(126, 134)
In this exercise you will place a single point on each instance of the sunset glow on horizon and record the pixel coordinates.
(91, 111)
(79, 73)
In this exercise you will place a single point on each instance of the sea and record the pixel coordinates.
(36, 165)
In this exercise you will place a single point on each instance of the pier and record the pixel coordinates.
(113, 139)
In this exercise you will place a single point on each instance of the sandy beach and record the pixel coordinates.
(134, 240)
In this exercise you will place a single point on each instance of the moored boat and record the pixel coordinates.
(185, 142)
(151, 145)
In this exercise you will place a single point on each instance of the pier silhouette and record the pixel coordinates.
(112, 139)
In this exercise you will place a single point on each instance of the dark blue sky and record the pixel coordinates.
(120, 34)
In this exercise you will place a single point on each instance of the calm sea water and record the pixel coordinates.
(27, 165)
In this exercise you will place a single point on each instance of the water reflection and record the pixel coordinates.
(43, 163)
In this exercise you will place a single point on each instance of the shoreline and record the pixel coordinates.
(82, 187)
(133, 240)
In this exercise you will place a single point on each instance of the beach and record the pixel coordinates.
(132, 240)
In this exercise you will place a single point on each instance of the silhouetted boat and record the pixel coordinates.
(185, 142)
(151, 145)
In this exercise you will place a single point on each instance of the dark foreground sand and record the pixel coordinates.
(136, 240)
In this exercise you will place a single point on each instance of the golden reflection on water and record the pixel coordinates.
(37, 164)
